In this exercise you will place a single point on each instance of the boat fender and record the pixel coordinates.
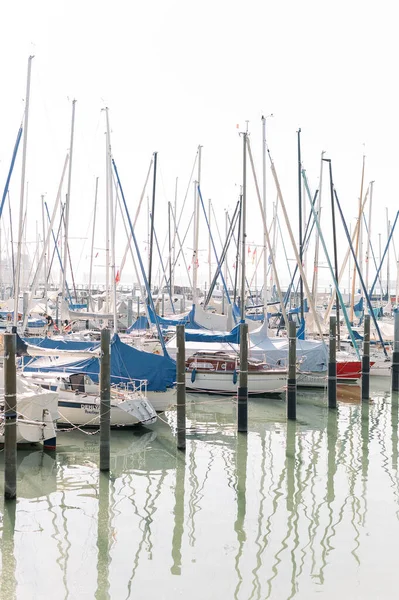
(235, 376)
(193, 374)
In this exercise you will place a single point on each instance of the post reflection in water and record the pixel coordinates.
(178, 514)
(241, 490)
(103, 536)
(8, 585)
(290, 510)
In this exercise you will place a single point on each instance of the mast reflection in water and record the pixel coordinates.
(289, 510)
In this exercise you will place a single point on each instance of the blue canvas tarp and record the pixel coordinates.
(140, 323)
(204, 335)
(187, 320)
(127, 364)
(61, 344)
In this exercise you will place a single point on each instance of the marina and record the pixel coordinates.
(199, 301)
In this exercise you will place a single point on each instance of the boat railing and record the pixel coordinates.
(137, 386)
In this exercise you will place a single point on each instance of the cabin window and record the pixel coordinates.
(77, 382)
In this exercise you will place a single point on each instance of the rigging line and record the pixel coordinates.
(372, 250)
(214, 249)
(188, 188)
(223, 256)
(282, 241)
(220, 240)
(360, 274)
(141, 296)
(146, 283)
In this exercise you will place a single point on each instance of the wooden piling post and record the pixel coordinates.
(242, 392)
(163, 306)
(181, 387)
(291, 381)
(366, 359)
(10, 417)
(332, 365)
(395, 355)
(105, 400)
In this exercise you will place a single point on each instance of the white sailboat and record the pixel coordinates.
(37, 412)
(79, 401)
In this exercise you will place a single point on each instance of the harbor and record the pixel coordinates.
(293, 509)
(199, 301)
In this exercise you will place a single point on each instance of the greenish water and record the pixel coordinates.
(299, 510)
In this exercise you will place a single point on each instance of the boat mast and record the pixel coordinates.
(317, 240)
(44, 257)
(388, 271)
(89, 300)
(152, 218)
(172, 282)
(357, 242)
(335, 254)
(209, 244)
(243, 224)
(300, 220)
(196, 227)
(22, 193)
(68, 201)
(379, 249)
(12, 246)
(111, 220)
(369, 236)
(265, 255)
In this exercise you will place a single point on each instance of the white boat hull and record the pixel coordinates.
(84, 411)
(267, 382)
(36, 419)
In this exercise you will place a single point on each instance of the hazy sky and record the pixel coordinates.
(176, 74)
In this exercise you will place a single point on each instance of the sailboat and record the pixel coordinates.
(37, 412)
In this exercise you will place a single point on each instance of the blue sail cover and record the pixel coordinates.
(187, 320)
(204, 335)
(127, 364)
(140, 323)
(61, 344)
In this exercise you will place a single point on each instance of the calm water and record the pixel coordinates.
(299, 510)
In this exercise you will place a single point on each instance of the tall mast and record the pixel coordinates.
(152, 220)
(357, 243)
(265, 253)
(172, 282)
(243, 224)
(44, 257)
(369, 236)
(196, 227)
(68, 201)
(379, 249)
(22, 193)
(209, 245)
(111, 219)
(92, 246)
(300, 218)
(388, 271)
(12, 246)
(335, 253)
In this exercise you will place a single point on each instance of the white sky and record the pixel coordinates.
(176, 74)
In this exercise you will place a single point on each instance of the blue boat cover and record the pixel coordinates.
(204, 335)
(140, 323)
(127, 364)
(173, 321)
(61, 344)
